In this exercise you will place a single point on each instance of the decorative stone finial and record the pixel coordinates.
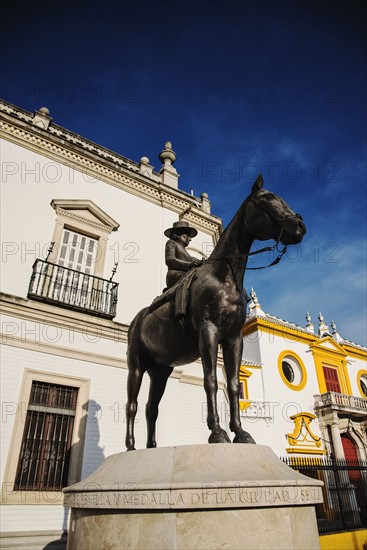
(167, 156)
(254, 305)
(145, 168)
(310, 327)
(168, 172)
(205, 203)
(41, 118)
(323, 328)
(335, 333)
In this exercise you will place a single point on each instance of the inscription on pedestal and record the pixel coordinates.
(208, 496)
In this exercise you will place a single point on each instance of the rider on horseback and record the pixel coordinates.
(178, 260)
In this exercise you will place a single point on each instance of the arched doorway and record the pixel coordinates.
(355, 474)
(349, 447)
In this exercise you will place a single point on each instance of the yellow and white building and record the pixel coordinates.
(82, 253)
(304, 390)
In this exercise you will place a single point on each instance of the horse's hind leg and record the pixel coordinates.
(158, 379)
(134, 380)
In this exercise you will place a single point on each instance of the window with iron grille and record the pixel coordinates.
(47, 438)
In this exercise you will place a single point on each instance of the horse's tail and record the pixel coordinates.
(132, 334)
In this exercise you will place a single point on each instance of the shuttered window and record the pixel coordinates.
(331, 379)
(47, 437)
(78, 252)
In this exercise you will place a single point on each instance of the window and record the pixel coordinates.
(244, 375)
(288, 371)
(72, 274)
(362, 382)
(292, 370)
(331, 379)
(80, 236)
(47, 443)
(78, 252)
(48, 432)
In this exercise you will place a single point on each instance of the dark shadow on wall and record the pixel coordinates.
(87, 448)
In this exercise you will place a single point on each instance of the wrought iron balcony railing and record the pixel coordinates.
(73, 289)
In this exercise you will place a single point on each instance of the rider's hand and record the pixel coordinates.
(196, 263)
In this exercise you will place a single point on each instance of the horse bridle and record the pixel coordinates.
(265, 248)
(276, 245)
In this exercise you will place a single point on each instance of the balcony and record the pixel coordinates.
(54, 284)
(344, 405)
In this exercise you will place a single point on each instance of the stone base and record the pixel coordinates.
(194, 497)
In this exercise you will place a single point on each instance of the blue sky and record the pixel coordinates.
(238, 87)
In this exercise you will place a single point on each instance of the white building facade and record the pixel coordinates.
(82, 252)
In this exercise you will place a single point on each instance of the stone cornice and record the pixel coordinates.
(67, 148)
(38, 312)
(70, 353)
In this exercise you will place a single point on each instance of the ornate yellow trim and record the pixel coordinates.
(264, 325)
(302, 439)
(306, 451)
(359, 375)
(302, 430)
(244, 376)
(292, 354)
(332, 356)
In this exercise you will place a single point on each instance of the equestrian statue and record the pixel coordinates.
(202, 310)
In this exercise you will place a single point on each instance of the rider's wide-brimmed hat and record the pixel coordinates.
(179, 228)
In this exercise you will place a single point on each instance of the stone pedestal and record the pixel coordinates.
(194, 497)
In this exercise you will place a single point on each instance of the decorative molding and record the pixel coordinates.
(302, 439)
(67, 206)
(332, 356)
(70, 353)
(38, 312)
(84, 221)
(76, 152)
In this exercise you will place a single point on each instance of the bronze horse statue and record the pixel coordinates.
(216, 311)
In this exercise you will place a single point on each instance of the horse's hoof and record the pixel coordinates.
(151, 445)
(130, 448)
(243, 437)
(219, 436)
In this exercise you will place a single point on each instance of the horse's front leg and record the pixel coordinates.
(134, 380)
(208, 346)
(232, 354)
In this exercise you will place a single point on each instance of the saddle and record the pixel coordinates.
(179, 293)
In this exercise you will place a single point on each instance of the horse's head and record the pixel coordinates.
(269, 217)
